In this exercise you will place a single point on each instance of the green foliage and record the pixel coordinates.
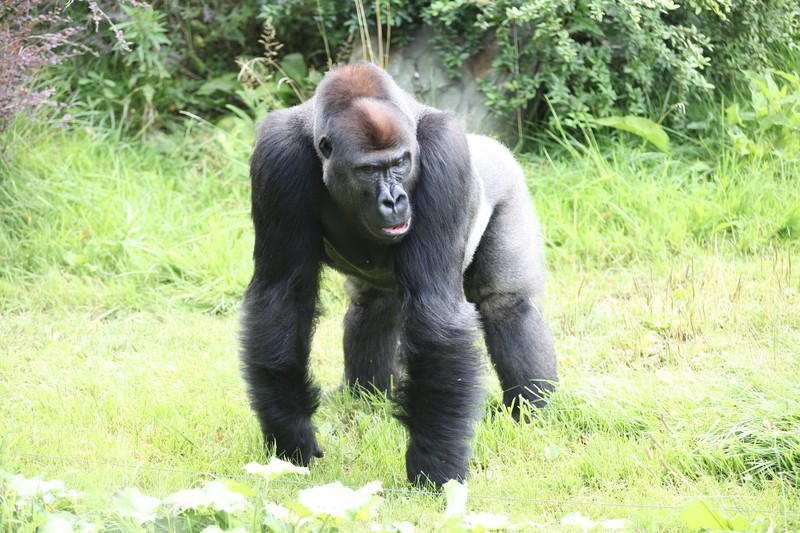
(643, 127)
(698, 515)
(35, 504)
(770, 121)
(322, 30)
(177, 48)
(571, 59)
(269, 81)
(606, 57)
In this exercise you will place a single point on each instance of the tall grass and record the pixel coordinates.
(673, 297)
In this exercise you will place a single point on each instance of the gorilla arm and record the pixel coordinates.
(441, 396)
(280, 304)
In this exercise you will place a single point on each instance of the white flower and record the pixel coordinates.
(132, 503)
(275, 468)
(279, 512)
(26, 489)
(578, 520)
(213, 495)
(403, 527)
(455, 494)
(66, 523)
(339, 502)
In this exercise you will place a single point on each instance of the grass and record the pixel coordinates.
(674, 296)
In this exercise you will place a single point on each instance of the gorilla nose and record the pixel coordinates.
(393, 203)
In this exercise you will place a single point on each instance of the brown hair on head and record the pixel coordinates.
(345, 84)
(376, 123)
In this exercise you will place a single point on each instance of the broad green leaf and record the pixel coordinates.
(279, 518)
(732, 116)
(65, 522)
(698, 515)
(214, 495)
(227, 83)
(794, 79)
(576, 519)
(643, 127)
(294, 66)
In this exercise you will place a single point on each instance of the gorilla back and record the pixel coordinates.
(437, 234)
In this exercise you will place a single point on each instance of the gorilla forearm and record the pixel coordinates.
(277, 328)
(442, 395)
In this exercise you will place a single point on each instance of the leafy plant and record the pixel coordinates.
(176, 49)
(770, 121)
(271, 81)
(697, 515)
(588, 58)
(323, 31)
(643, 127)
(39, 505)
(33, 36)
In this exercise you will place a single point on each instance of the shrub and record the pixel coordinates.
(32, 37)
(183, 57)
(590, 58)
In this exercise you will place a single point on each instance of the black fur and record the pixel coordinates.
(413, 323)
(372, 328)
(280, 304)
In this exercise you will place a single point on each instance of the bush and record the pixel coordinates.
(32, 37)
(578, 58)
(590, 58)
(183, 57)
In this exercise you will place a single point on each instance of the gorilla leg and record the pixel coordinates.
(521, 348)
(371, 339)
(503, 280)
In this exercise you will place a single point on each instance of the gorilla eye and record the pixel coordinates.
(325, 147)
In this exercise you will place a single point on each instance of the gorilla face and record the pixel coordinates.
(386, 207)
(370, 168)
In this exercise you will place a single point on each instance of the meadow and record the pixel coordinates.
(673, 295)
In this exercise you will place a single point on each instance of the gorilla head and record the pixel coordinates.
(370, 154)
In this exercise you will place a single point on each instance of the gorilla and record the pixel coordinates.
(439, 239)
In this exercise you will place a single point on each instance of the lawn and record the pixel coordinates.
(674, 297)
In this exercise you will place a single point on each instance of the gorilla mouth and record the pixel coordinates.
(398, 229)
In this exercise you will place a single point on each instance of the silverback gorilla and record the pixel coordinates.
(437, 234)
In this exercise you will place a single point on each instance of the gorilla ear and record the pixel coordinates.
(325, 147)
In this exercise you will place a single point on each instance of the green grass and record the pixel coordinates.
(674, 297)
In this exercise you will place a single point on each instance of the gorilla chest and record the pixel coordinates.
(350, 253)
